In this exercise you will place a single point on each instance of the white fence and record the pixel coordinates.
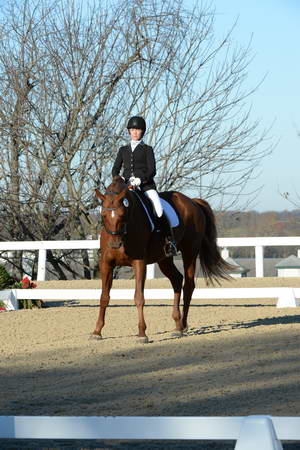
(259, 243)
(250, 432)
(224, 243)
(286, 297)
(43, 246)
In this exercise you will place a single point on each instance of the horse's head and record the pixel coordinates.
(114, 209)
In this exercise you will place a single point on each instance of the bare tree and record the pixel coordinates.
(70, 76)
(292, 197)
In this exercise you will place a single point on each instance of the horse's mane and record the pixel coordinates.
(117, 185)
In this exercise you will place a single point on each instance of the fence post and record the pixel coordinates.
(257, 432)
(287, 299)
(225, 253)
(259, 261)
(150, 269)
(41, 275)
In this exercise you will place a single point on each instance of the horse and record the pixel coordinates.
(126, 239)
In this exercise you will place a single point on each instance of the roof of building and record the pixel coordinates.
(238, 268)
(291, 262)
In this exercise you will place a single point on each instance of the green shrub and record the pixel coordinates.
(6, 281)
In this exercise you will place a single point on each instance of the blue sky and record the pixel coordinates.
(275, 29)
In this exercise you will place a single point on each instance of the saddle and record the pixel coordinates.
(166, 223)
(169, 211)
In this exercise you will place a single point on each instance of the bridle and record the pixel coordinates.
(123, 229)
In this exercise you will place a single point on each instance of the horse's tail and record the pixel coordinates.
(212, 264)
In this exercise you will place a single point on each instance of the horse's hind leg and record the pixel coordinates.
(169, 269)
(189, 264)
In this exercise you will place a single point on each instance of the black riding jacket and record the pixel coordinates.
(138, 163)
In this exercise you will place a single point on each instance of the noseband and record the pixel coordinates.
(122, 230)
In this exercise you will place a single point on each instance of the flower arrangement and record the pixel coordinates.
(8, 282)
(26, 283)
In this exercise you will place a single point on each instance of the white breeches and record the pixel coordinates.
(153, 195)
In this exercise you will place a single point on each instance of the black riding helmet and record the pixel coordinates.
(137, 122)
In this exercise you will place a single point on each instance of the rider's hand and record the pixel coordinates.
(132, 181)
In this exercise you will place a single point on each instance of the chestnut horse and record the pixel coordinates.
(127, 240)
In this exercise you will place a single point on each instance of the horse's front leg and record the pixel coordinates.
(107, 277)
(139, 267)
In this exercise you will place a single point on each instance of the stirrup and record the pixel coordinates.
(170, 248)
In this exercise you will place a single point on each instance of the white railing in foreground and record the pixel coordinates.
(286, 297)
(250, 432)
(258, 242)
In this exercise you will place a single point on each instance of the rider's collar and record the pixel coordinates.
(134, 144)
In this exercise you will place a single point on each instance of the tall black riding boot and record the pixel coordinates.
(170, 245)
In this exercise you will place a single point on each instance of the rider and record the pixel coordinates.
(139, 170)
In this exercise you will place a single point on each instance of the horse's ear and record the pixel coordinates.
(99, 195)
(122, 194)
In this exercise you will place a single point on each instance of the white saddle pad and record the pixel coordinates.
(168, 210)
(170, 213)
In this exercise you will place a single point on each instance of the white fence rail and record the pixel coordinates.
(224, 243)
(43, 246)
(286, 297)
(250, 432)
(259, 243)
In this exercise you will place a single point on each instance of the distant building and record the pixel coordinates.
(238, 270)
(288, 267)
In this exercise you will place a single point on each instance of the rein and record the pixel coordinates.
(120, 232)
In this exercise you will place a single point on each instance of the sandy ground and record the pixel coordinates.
(239, 357)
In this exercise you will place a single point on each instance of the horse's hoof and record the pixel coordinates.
(185, 328)
(177, 333)
(95, 337)
(142, 340)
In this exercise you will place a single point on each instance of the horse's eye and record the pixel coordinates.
(126, 202)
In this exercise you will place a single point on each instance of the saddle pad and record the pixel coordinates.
(167, 208)
(170, 213)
